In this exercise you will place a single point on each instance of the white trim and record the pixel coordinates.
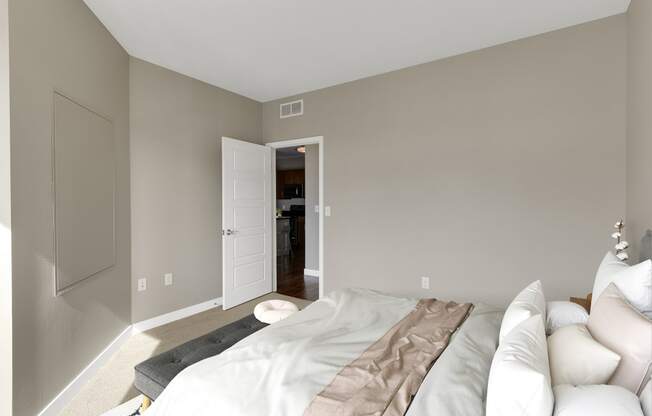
(296, 142)
(6, 322)
(322, 151)
(310, 272)
(319, 140)
(57, 404)
(274, 264)
(148, 324)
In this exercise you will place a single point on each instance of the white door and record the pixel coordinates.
(246, 221)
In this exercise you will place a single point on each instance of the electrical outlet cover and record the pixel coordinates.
(168, 279)
(425, 283)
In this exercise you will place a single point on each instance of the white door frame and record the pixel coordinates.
(318, 140)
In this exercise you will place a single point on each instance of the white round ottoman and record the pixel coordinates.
(274, 310)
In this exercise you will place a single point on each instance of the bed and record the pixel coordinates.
(353, 352)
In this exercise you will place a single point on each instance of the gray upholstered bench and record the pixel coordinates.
(154, 374)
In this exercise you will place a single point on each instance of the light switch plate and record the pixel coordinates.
(425, 283)
(327, 211)
(142, 284)
(316, 208)
(168, 279)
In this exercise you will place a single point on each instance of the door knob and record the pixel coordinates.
(228, 232)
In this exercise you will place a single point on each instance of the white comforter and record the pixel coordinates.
(281, 368)
(456, 385)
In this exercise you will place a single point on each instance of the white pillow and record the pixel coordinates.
(646, 399)
(577, 359)
(528, 303)
(519, 379)
(274, 310)
(634, 282)
(562, 313)
(596, 400)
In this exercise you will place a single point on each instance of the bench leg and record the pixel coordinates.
(145, 404)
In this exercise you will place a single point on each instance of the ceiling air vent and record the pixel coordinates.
(291, 109)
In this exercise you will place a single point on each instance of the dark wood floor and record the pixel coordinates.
(290, 278)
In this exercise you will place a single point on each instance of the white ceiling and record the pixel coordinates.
(289, 153)
(268, 49)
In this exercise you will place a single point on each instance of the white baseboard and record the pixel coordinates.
(175, 315)
(309, 272)
(59, 403)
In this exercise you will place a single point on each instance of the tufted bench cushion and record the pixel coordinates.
(154, 374)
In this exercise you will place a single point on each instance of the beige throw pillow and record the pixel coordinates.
(618, 326)
(577, 359)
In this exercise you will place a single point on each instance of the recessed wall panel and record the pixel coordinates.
(246, 218)
(247, 161)
(248, 274)
(84, 192)
(248, 189)
(249, 246)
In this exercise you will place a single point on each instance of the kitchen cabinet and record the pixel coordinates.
(288, 177)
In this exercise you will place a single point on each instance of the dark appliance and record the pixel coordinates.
(293, 191)
(297, 222)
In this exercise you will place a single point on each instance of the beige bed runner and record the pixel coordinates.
(385, 378)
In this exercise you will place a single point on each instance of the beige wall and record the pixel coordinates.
(176, 128)
(639, 123)
(60, 45)
(312, 200)
(5, 218)
(484, 171)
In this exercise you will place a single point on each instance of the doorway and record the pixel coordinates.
(298, 219)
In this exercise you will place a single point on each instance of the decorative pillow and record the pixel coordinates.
(577, 359)
(561, 313)
(274, 310)
(519, 379)
(618, 326)
(646, 399)
(634, 282)
(596, 400)
(528, 303)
